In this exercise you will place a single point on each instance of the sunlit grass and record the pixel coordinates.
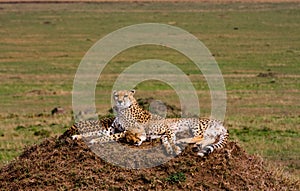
(41, 46)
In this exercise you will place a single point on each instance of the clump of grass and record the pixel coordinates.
(37, 130)
(42, 133)
(1, 133)
(19, 127)
(176, 178)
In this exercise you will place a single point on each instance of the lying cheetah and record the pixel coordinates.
(140, 124)
(107, 129)
(208, 134)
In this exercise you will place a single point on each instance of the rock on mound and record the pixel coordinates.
(64, 164)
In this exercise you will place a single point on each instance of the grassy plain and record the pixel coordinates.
(257, 47)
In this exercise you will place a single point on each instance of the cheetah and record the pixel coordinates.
(107, 129)
(131, 115)
(139, 125)
(207, 134)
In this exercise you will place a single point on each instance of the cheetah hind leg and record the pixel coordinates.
(201, 145)
(204, 147)
(192, 140)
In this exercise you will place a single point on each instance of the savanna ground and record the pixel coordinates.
(257, 47)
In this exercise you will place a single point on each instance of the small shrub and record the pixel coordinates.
(176, 178)
(42, 133)
(19, 127)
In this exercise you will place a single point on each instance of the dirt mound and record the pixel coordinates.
(89, 1)
(64, 164)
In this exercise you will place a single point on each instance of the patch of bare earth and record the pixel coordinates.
(211, 1)
(62, 163)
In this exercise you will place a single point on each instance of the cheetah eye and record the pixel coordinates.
(126, 95)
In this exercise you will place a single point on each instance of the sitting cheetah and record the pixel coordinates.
(140, 124)
(131, 115)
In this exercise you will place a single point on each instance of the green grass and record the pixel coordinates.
(176, 178)
(41, 46)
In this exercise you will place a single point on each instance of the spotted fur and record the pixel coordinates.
(207, 134)
(107, 129)
(139, 125)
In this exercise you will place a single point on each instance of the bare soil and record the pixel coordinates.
(211, 1)
(64, 164)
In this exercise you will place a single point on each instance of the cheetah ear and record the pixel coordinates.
(132, 91)
(114, 92)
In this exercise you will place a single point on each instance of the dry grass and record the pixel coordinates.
(41, 46)
(65, 164)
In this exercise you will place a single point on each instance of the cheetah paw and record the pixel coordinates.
(76, 137)
(138, 144)
(177, 150)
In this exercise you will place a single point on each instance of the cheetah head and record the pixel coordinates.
(132, 137)
(123, 98)
(135, 135)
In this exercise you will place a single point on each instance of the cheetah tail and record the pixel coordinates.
(206, 150)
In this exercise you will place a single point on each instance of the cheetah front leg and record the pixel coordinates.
(76, 137)
(168, 142)
(110, 138)
(102, 132)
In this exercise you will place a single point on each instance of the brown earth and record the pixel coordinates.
(64, 164)
(211, 1)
